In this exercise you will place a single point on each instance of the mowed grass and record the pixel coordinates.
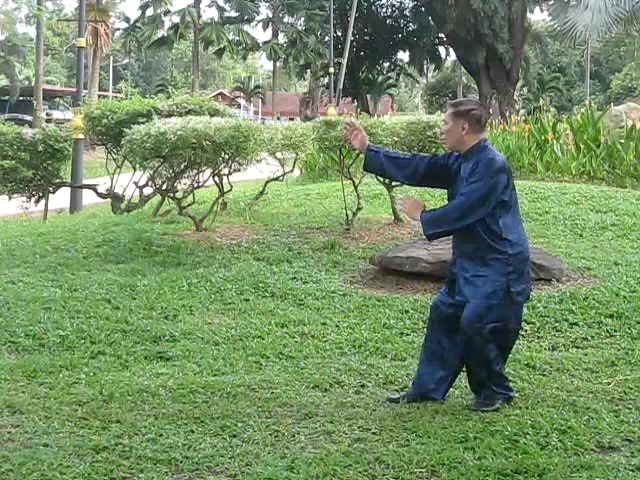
(131, 351)
(95, 165)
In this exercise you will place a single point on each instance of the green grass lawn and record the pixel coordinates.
(94, 165)
(131, 351)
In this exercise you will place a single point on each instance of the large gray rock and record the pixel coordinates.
(621, 115)
(433, 259)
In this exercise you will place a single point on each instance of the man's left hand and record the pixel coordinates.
(411, 207)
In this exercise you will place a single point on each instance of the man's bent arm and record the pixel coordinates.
(410, 169)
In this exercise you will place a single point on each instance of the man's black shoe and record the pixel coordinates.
(409, 397)
(486, 405)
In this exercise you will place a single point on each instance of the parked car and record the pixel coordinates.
(58, 117)
(18, 119)
(21, 112)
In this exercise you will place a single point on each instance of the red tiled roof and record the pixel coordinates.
(347, 105)
(222, 91)
(287, 104)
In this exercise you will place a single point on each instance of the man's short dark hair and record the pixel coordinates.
(471, 111)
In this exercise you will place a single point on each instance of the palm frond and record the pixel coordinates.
(591, 18)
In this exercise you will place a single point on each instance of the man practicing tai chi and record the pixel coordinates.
(475, 319)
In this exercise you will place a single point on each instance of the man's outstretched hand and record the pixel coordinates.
(359, 140)
(411, 207)
(356, 136)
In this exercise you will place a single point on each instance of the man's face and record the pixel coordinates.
(453, 132)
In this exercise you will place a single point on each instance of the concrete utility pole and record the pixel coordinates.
(345, 57)
(77, 125)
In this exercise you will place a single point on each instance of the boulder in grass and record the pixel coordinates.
(432, 259)
(625, 114)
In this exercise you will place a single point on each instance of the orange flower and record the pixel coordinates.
(527, 129)
(549, 136)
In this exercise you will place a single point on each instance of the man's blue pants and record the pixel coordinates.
(478, 336)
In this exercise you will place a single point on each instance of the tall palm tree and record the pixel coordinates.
(130, 38)
(587, 20)
(282, 16)
(307, 52)
(99, 40)
(540, 87)
(221, 34)
(377, 86)
(273, 48)
(246, 90)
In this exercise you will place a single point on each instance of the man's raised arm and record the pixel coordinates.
(410, 169)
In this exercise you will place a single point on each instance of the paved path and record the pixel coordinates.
(60, 200)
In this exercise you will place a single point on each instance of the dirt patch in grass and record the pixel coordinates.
(370, 230)
(571, 279)
(391, 282)
(386, 232)
(222, 233)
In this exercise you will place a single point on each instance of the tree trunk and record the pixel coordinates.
(304, 107)
(390, 187)
(424, 83)
(38, 117)
(332, 63)
(128, 70)
(89, 64)
(94, 79)
(275, 36)
(315, 87)
(195, 56)
(397, 218)
(587, 77)
(363, 102)
(274, 84)
(160, 204)
(484, 87)
(482, 57)
(506, 101)
(345, 57)
(45, 215)
(95, 58)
